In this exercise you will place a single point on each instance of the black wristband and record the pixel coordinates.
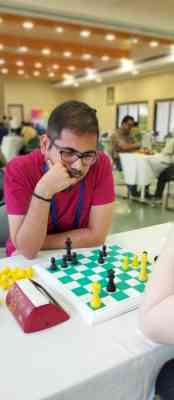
(40, 197)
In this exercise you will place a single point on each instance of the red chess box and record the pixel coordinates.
(32, 309)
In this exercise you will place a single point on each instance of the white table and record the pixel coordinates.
(75, 361)
(137, 170)
(11, 145)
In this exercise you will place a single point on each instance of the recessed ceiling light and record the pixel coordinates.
(59, 29)
(21, 72)
(91, 74)
(76, 84)
(19, 63)
(85, 34)
(110, 37)
(28, 25)
(38, 65)
(1, 46)
(51, 74)
(67, 54)
(55, 66)
(2, 61)
(36, 73)
(86, 56)
(23, 49)
(71, 68)
(4, 71)
(154, 43)
(46, 52)
(105, 58)
(127, 64)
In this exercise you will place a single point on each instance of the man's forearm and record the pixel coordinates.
(31, 234)
(84, 237)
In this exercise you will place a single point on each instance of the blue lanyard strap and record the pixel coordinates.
(54, 211)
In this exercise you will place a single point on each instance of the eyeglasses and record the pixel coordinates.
(69, 155)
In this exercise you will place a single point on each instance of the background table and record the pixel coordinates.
(75, 361)
(137, 170)
(11, 145)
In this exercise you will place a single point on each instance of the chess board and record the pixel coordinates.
(74, 282)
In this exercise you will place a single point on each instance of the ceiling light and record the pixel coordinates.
(23, 49)
(105, 58)
(51, 74)
(76, 84)
(86, 56)
(91, 74)
(110, 37)
(28, 25)
(4, 71)
(59, 29)
(153, 43)
(19, 63)
(71, 68)
(127, 64)
(1, 20)
(46, 51)
(55, 66)
(38, 65)
(1, 46)
(36, 73)
(67, 76)
(21, 72)
(67, 54)
(2, 61)
(85, 34)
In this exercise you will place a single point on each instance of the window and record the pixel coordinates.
(139, 111)
(164, 118)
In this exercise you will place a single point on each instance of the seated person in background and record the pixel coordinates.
(165, 176)
(3, 131)
(122, 141)
(66, 173)
(30, 137)
(159, 162)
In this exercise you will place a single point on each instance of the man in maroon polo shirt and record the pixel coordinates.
(64, 189)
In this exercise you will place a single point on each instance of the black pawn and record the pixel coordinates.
(111, 287)
(74, 258)
(64, 262)
(104, 251)
(68, 246)
(101, 258)
(53, 265)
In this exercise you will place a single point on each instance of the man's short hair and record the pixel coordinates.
(127, 118)
(73, 115)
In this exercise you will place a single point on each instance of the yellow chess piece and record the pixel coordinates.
(135, 262)
(143, 275)
(125, 263)
(96, 301)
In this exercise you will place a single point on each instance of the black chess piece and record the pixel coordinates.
(101, 258)
(68, 246)
(64, 262)
(104, 251)
(53, 265)
(111, 287)
(74, 258)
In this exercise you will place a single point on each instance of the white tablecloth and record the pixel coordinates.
(11, 145)
(75, 361)
(137, 169)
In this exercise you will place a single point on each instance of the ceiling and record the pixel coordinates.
(54, 49)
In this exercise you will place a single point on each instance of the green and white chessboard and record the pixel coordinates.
(74, 283)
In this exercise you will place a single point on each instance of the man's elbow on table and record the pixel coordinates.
(149, 327)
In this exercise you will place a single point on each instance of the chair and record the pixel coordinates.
(169, 193)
